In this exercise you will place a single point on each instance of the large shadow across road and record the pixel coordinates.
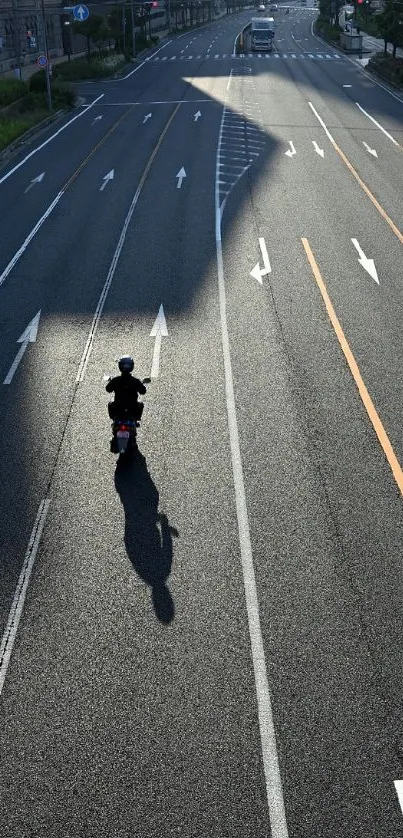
(148, 534)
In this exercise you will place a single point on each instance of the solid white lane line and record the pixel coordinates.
(378, 125)
(271, 766)
(49, 140)
(29, 238)
(10, 632)
(115, 259)
(132, 72)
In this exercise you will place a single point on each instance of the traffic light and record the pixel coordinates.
(155, 4)
(360, 2)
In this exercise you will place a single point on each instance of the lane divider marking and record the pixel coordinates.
(17, 606)
(52, 137)
(111, 273)
(359, 180)
(352, 363)
(56, 200)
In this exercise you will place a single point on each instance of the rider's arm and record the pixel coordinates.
(110, 385)
(140, 387)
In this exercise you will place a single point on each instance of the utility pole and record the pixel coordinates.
(17, 37)
(133, 28)
(47, 69)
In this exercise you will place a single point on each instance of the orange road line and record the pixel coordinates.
(398, 233)
(366, 398)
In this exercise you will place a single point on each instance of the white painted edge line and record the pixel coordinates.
(52, 137)
(274, 791)
(162, 102)
(29, 238)
(10, 632)
(361, 69)
(398, 784)
(139, 66)
(377, 124)
(320, 120)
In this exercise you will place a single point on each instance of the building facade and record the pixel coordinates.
(22, 31)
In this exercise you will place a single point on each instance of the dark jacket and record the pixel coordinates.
(126, 389)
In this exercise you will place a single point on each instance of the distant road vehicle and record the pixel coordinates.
(273, 7)
(261, 8)
(262, 33)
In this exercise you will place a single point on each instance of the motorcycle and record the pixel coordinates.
(124, 435)
(124, 428)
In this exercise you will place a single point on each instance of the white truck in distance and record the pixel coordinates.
(262, 33)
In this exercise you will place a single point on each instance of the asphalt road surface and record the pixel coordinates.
(206, 641)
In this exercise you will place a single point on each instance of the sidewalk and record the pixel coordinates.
(28, 70)
(377, 45)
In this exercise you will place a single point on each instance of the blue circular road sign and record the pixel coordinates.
(42, 61)
(81, 12)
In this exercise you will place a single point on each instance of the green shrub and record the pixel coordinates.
(37, 82)
(11, 90)
(329, 32)
(62, 94)
(11, 129)
(387, 67)
(83, 69)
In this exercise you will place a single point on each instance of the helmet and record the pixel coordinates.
(126, 363)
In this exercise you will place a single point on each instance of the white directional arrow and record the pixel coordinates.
(106, 179)
(97, 118)
(371, 150)
(291, 151)
(28, 336)
(149, 115)
(317, 149)
(399, 791)
(197, 116)
(159, 330)
(37, 179)
(181, 174)
(367, 264)
(257, 271)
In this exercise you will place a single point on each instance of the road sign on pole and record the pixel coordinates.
(81, 12)
(42, 61)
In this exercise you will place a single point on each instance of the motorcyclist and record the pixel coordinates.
(126, 389)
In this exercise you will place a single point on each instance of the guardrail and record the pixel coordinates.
(240, 39)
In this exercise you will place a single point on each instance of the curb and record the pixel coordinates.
(370, 74)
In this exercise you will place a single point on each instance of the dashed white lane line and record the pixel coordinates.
(10, 632)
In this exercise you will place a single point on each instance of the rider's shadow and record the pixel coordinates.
(148, 536)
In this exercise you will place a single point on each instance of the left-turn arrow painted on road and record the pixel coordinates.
(290, 151)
